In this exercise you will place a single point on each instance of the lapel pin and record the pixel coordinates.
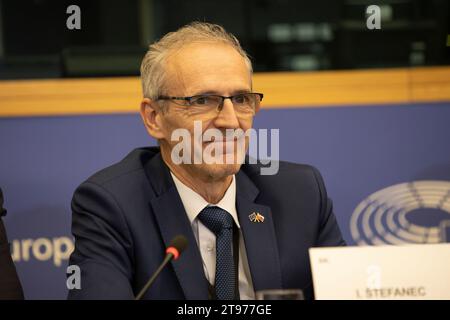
(256, 217)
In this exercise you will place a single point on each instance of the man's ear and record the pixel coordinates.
(151, 115)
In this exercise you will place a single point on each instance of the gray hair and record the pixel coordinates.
(152, 66)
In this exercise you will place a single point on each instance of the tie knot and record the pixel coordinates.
(216, 219)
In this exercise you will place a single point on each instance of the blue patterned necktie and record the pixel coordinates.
(220, 222)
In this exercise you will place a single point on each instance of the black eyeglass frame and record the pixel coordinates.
(188, 99)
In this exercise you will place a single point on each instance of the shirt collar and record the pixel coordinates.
(194, 203)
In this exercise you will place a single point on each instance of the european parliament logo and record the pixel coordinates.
(406, 213)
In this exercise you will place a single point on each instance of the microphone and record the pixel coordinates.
(173, 251)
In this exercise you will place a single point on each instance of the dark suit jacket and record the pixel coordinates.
(10, 287)
(125, 215)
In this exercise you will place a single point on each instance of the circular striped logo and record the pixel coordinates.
(403, 213)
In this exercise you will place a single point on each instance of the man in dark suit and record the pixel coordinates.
(10, 287)
(246, 231)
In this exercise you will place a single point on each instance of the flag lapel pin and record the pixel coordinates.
(256, 217)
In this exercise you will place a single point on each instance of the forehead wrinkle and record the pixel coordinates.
(191, 72)
(175, 79)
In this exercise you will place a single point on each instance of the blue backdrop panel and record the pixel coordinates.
(359, 150)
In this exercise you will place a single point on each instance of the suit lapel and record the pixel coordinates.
(172, 220)
(259, 238)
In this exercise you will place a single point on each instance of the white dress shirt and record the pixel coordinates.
(206, 240)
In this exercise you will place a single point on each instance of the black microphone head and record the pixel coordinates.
(179, 242)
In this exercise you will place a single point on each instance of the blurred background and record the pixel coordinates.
(280, 35)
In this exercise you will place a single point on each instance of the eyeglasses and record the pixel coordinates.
(245, 104)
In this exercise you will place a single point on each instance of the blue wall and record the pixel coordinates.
(359, 150)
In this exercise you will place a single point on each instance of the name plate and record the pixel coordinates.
(381, 272)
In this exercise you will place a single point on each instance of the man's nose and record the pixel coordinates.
(227, 117)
